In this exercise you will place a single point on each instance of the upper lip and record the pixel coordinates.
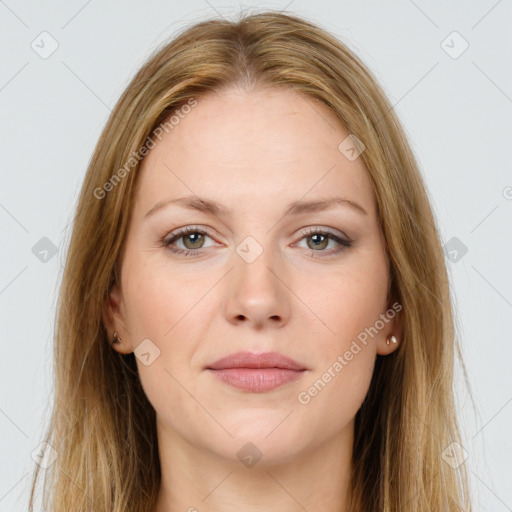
(252, 360)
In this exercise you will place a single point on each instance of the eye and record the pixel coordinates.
(320, 238)
(193, 239)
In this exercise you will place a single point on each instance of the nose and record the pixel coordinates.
(257, 292)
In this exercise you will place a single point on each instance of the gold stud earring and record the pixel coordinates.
(391, 339)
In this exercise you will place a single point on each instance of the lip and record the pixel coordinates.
(252, 360)
(256, 372)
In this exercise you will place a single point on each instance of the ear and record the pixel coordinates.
(394, 327)
(114, 321)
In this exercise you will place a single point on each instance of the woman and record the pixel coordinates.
(255, 313)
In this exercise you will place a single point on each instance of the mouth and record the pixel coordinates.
(256, 372)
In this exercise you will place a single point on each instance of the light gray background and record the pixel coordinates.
(456, 112)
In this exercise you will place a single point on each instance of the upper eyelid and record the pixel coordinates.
(330, 231)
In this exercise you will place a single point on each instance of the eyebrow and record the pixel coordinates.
(296, 208)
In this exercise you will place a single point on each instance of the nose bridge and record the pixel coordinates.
(253, 262)
(256, 292)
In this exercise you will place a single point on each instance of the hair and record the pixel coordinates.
(102, 425)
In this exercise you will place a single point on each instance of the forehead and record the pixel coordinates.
(276, 144)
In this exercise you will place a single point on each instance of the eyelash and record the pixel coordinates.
(167, 242)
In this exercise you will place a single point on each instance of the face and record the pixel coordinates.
(309, 284)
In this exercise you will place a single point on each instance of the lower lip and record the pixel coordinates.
(257, 379)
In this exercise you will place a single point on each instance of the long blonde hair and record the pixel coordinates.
(103, 426)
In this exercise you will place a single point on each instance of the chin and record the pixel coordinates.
(270, 438)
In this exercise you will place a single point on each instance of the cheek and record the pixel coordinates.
(161, 308)
(350, 303)
(337, 392)
(350, 306)
(159, 312)
(152, 306)
(345, 360)
(157, 300)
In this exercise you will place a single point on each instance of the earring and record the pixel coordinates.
(117, 339)
(390, 339)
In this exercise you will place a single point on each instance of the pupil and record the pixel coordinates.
(194, 235)
(316, 240)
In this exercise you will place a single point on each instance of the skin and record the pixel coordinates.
(254, 152)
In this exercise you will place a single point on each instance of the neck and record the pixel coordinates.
(195, 480)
